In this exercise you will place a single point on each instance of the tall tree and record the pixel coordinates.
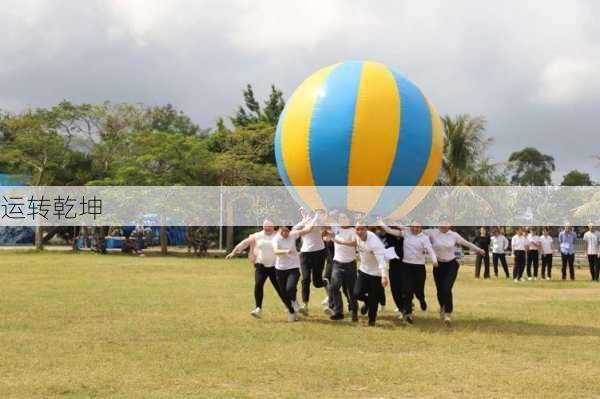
(576, 178)
(250, 112)
(530, 167)
(465, 160)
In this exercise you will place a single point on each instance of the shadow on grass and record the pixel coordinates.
(493, 326)
(500, 326)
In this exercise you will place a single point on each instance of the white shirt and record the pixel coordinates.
(415, 247)
(592, 242)
(263, 248)
(444, 244)
(313, 241)
(546, 244)
(286, 261)
(372, 255)
(533, 241)
(519, 243)
(499, 244)
(344, 253)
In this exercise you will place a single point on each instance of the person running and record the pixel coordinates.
(444, 242)
(287, 263)
(566, 239)
(482, 241)
(312, 257)
(519, 248)
(393, 243)
(547, 247)
(414, 247)
(261, 255)
(343, 274)
(373, 271)
(533, 254)
(499, 245)
(591, 248)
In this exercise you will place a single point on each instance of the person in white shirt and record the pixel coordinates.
(533, 253)
(547, 247)
(591, 238)
(499, 244)
(373, 271)
(261, 254)
(519, 247)
(444, 242)
(414, 247)
(312, 256)
(343, 274)
(287, 264)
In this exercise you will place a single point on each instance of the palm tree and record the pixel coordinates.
(465, 145)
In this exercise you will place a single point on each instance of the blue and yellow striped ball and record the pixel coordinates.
(356, 124)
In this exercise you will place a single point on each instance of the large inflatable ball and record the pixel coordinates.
(357, 124)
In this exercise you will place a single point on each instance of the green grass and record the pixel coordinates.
(83, 325)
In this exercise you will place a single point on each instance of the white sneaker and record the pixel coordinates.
(256, 313)
(447, 318)
(529, 279)
(548, 278)
(381, 308)
(396, 310)
(303, 309)
(325, 301)
(295, 306)
(328, 311)
(292, 317)
(442, 314)
(516, 280)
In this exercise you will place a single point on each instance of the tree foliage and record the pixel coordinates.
(530, 167)
(576, 178)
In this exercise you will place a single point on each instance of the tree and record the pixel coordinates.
(465, 161)
(251, 113)
(34, 148)
(530, 167)
(577, 178)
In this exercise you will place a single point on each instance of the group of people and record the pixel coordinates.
(393, 255)
(532, 250)
(327, 258)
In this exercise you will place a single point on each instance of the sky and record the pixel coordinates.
(532, 69)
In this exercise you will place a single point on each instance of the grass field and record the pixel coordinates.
(83, 325)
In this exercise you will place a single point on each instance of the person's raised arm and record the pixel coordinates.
(241, 247)
(308, 226)
(460, 240)
(387, 229)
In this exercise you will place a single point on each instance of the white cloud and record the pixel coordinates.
(569, 79)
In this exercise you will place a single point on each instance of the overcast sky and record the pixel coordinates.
(531, 68)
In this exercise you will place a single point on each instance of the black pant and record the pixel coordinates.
(533, 258)
(261, 273)
(396, 282)
(502, 259)
(486, 265)
(312, 263)
(568, 259)
(369, 290)
(547, 265)
(445, 276)
(519, 265)
(593, 261)
(413, 284)
(343, 275)
(288, 281)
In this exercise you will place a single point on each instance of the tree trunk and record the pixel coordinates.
(39, 237)
(163, 236)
